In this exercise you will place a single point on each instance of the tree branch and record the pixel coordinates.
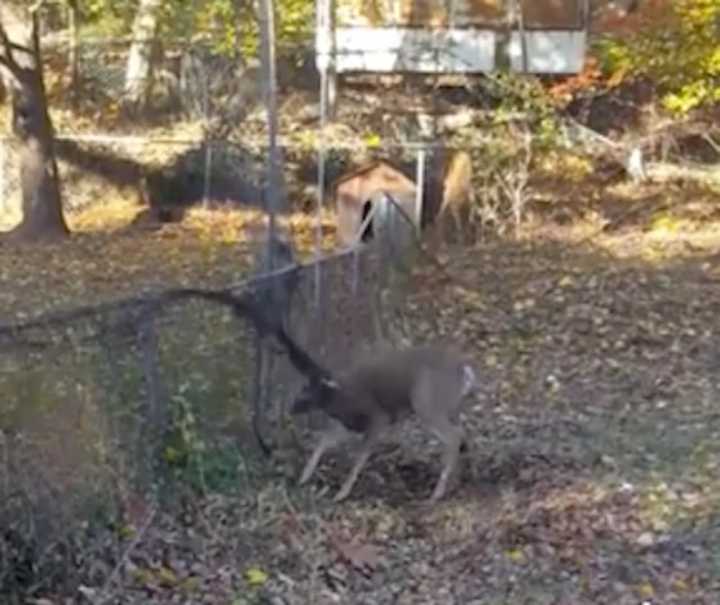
(242, 306)
(7, 58)
(8, 47)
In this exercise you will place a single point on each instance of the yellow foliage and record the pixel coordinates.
(665, 224)
(675, 43)
(646, 590)
(256, 576)
(516, 555)
(373, 141)
(573, 167)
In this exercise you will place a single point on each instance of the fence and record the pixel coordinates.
(102, 168)
(215, 154)
(110, 401)
(167, 174)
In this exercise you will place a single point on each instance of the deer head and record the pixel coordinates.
(316, 393)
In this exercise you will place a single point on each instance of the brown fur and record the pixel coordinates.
(430, 382)
(457, 192)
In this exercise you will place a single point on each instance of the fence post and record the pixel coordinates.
(3, 190)
(419, 188)
(208, 172)
(149, 447)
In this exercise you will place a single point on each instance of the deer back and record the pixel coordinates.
(384, 389)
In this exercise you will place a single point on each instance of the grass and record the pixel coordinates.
(592, 475)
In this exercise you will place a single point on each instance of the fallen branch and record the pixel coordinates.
(664, 171)
(105, 595)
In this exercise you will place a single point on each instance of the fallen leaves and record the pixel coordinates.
(357, 552)
(107, 259)
(255, 577)
(516, 555)
(595, 423)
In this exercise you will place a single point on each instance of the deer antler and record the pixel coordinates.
(302, 361)
(245, 307)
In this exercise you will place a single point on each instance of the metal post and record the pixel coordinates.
(419, 188)
(332, 92)
(323, 64)
(585, 14)
(275, 193)
(521, 33)
(4, 193)
(206, 136)
(208, 172)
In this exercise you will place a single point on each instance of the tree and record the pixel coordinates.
(674, 42)
(138, 74)
(22, 74)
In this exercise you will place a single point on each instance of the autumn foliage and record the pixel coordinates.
(673, 42)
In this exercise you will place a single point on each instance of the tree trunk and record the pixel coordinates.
(21, 70)
(275, 193)
(138, 73)
(73, 52)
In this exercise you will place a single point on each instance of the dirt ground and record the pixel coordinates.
(592, 475)
(593, 472)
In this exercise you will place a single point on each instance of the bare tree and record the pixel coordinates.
(515, 179)
(138, 73)
(22, 75)
(74, 52)
(278, 250)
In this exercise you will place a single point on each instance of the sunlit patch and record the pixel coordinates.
(108, 216)
(666, 225)
(108, 256)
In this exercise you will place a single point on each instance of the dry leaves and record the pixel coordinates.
(357, 552)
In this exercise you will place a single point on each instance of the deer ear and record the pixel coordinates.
(329, 383)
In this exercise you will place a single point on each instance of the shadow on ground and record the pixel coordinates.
(592, 474)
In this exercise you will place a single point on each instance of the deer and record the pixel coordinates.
(430, 381)
(457, 194)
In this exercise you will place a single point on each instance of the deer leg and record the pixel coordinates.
(459, 225)
(371, 438)
(452, 438)
(436, 401)
(260, 395)
(330, 438)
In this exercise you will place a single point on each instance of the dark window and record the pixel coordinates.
(367, 233)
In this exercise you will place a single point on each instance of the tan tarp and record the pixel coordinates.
(552, 14)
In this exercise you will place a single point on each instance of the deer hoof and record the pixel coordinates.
(438, 494)
(341, 495)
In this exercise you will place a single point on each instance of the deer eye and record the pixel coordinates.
(330, 384)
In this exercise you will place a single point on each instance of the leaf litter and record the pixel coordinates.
(592, 474)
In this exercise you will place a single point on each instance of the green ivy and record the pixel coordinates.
(230, 25)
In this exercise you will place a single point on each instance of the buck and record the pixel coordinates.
(431, 382)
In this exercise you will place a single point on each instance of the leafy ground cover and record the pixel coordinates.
(593, 474)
